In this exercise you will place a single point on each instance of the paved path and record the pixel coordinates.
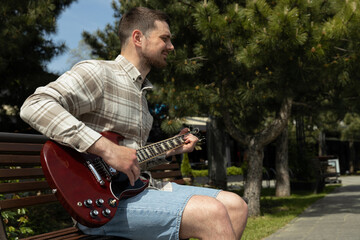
(334, 217)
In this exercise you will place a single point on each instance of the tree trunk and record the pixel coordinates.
(255, 151)
(282, 165)
(217, 154)
(252, 189)
(352, 157)
(322, 144)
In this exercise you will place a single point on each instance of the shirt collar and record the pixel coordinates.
(133, 73)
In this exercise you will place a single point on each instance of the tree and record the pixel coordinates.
(25, 49)
(247, 62)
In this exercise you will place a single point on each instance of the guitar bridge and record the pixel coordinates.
(95, 173)
(99, 168)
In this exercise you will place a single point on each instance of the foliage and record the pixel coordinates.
(186, 170)
(350, 127)
(31, 221)
(230, 171)
(25, 49)
(234, 171)
(200, 173)
(17, 223)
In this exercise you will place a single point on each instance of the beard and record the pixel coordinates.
(154, 61)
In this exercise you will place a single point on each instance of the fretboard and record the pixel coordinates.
(159, 148)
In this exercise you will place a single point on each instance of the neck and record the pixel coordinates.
(134, 58)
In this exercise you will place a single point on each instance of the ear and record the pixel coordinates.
(137, 37)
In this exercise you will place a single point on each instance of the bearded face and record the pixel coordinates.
(157, 45)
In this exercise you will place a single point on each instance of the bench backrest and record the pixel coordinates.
(22, 182)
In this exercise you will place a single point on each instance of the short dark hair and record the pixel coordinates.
(139, 18)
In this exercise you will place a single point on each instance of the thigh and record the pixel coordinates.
(152, 214)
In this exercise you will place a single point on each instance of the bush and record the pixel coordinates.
(234, 171)
(186, 170)
(230, 171)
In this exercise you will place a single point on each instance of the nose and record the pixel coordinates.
(170, 46)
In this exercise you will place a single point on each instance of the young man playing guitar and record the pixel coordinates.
(97, 96)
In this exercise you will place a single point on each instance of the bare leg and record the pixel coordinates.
(237, 210)
(214, 218)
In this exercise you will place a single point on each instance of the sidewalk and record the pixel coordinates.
(334, 217)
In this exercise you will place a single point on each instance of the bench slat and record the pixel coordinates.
(162, 175)
(20, 147)
(23, 186)
(21, 173)
(169, 166)
(19, 160)
(70, 233)
(27, 201)
(56, 234)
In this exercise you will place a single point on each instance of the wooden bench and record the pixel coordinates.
(24, 189)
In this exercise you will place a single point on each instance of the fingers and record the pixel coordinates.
(183, 131)
(134, 173)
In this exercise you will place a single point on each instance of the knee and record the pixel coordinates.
(217, 210)
(207, 208)
(233, 202)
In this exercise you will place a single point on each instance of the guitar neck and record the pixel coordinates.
(151, 151)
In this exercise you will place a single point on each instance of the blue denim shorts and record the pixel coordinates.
(152, 214)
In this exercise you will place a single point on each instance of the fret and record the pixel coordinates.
(153, 147)
(179, 141)
(147, 152)
(156, 149)
(139, 156)
(163, 146)
(144, 153)
(171, 143)
(174, 142)
(151, 151)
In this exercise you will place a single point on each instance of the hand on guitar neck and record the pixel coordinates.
(190, 143)
(124, 159)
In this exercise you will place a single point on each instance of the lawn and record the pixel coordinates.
(276, 212)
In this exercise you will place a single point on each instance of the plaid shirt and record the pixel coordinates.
(92, 97)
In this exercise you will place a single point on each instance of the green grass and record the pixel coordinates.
(278, 211)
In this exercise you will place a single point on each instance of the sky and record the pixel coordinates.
(83, 15)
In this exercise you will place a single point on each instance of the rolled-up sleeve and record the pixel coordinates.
(54, 110)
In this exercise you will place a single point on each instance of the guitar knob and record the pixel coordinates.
(88, 202)
(94, 213)
(106, 212)
(99, 202)
(112, 202)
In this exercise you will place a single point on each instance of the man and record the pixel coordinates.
(96, 96)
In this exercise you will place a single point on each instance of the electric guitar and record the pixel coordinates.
(87, 187)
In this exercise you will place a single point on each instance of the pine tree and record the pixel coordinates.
(25, 49)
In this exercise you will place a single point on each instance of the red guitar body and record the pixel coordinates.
(89, 201)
